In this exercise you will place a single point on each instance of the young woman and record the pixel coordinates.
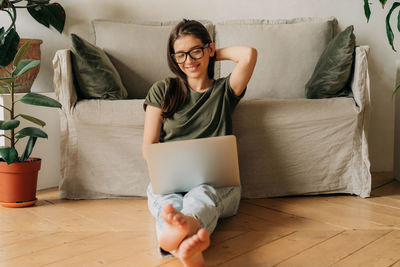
(194, 105)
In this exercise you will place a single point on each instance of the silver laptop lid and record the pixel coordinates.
(179, 166)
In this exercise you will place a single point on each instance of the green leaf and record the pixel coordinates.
(9, 154)
(38, 1)
(40, 100)
(49, 14)
(36, 13)
(25, 65)
(9, 124)
(367, 10)
(2, 33)
(398, 21)
(28, 148)
(33, 119)
(6, 83)
(395, 90)
(21, 53)
(389, 31)
(8, 80)
(9, 48)
(32, 131)
(383, 2)
(56, 16)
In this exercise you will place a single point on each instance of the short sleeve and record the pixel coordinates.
(155, 95)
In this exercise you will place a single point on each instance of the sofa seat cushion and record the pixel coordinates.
(309, 144)
(288, 51)
(121, 113)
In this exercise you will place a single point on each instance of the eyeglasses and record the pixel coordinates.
(195, 53)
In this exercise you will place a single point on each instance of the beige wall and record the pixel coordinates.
(381, 59)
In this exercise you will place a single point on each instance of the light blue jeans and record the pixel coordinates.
(205, 202)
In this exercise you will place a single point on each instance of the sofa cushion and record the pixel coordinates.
(332, 72)
(288, 51)
(94, 73)
(138, 51)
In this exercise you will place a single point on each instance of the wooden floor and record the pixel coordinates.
(334, 230)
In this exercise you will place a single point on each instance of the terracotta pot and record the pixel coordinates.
(18, 183)
(26, 80)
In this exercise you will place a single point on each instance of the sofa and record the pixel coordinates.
(287, 144)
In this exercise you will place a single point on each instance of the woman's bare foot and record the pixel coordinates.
(191, 249)
(178, 227)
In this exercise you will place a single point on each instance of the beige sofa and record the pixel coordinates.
(288, 145)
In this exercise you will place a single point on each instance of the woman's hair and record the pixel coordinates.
(177, 87)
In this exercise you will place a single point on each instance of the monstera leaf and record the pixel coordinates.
(48, 14)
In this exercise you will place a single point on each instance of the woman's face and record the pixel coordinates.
(194, 68)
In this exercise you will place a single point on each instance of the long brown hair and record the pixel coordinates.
(176, 92)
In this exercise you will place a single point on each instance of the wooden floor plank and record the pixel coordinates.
(396, 264)
(273, 253)
(148, 258)
(11, 237)
(67, 220)
(27, 248)
(115, 220)
(382, 252)
(317, 209)
(243, 222)
(221, 252)
(280, 219)
(335, 248)
(18, 220)
(119, 246)
(375, 212)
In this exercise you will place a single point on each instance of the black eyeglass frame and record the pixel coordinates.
(188, 53)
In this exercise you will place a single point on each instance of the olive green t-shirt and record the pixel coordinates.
(203, 114)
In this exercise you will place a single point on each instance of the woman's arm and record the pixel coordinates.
(152, 127)
(245, 58)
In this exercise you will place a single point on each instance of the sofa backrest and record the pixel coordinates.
(138, 51)
(288, 51)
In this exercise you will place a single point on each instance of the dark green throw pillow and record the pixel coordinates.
(333, 70)
(95, 75)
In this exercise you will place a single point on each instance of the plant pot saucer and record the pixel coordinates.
(18, 204)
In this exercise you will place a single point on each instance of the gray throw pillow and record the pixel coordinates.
(333, 70)
(95, 75)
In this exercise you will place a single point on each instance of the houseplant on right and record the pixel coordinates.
(18, 173)
(389, 31)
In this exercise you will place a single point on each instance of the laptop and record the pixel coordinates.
(179, 166)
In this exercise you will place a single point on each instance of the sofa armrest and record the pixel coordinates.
(63, 80)
(360, 81)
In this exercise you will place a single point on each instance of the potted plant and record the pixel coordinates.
(46, 13)
(18, 172)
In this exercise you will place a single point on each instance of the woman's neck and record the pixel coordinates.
(200, 85)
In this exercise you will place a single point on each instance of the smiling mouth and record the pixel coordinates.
(192, 68)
